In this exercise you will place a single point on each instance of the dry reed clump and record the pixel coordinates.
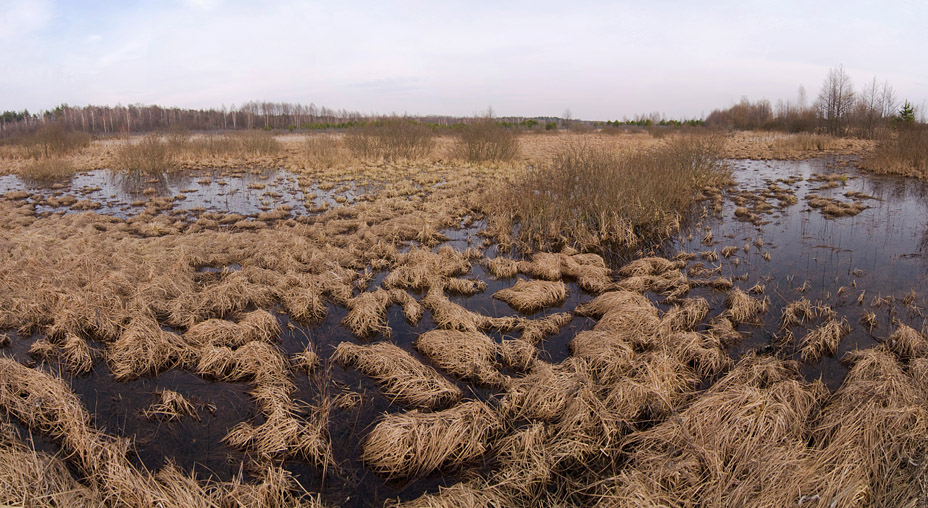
(536, 330)
(672, 284)
(741, 443)
(517, 354)
(649, 266)
(589, 270)
(467, 355)
(412, 309)
(77, 354)
(466, 287)
(824, 339)
(629, 315)
(48, 171)
(367, 314)
(170, 407)
(797, 313)
(307, 360)
(704, 352)
(401, 377)
(606, 353)
(907, 343)
(149, 157)
(256, 360)
(414, 444)
(320, 151)
(903, 152)
(870, 439)
(304, 301)
(451, 316)
(143, 348)
(530, 296)
(283, 434)
(34, 478)
(502, 268)
(458, 495)
(44, 404)
(743, 307)
(686, 315)
(421, 268)
(392, 138)
(256, 325)
(544, 392)
(544, 265)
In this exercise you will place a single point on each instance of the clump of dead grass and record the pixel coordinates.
(171, 406)
(400, 376)
(413, 444)
(467, 355)
(530, 296)
(743, 307)
(824, 339)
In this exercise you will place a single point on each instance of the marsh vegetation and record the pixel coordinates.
(392, 316)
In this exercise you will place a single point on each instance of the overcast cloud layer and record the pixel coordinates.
(600, 60)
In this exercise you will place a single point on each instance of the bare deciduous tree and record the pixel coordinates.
(836, 100)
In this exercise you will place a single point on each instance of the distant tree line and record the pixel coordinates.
(838, 110)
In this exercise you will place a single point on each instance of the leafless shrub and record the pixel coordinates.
(44, 171)
(904, 152)
(54, 140)
(588, 197)
(392, 138)
(486, 140)
(150, 156)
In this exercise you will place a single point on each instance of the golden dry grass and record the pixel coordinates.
(401, 377)
(413, 444)
(530, 296)
(467, 355)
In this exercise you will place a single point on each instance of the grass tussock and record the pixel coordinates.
(256, 325)
(466, 355)
(321, 151)
(589, 198)
(414, 444)
(391, 139)
(400, 376)
(907, 343)
(743, 307)
(367, 314)
(171, 406)
(823, 339)
(484, 140)
(530, 296)
(143, 348)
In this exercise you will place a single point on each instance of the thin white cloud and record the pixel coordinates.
(20, 18)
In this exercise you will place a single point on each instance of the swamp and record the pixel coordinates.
(389, 318)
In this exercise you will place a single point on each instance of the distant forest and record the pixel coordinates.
(838, 110)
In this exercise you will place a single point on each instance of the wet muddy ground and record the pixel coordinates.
(773, 237)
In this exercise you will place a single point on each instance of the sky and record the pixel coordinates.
(598, 60)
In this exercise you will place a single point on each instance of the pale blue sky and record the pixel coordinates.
(602, 60)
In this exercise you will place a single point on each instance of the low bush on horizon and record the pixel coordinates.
(53, 140)
(149, 156)
(487, 140)
(392, 139)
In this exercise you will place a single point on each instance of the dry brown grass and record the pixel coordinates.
(171, 406)
(466, 355)
(413, 444)
(143, 348)
(484, 140)
(591, 198)
(824, 339)
(367, 314)
(401, 377)
(904, 152)
(743, 307)
(530, 296)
